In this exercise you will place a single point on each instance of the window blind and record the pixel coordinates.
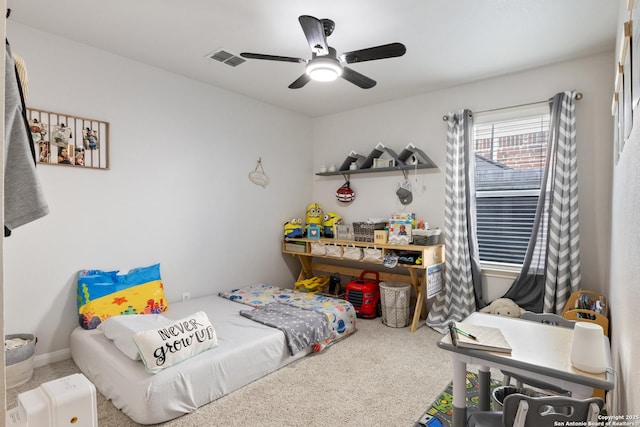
(510, 158)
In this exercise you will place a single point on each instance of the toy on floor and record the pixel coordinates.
(503, 307)
(312, 285)
(334, 284)
(429, 421)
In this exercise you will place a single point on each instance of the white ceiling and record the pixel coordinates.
(449, 42)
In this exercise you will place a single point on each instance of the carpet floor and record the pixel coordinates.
(380, 376)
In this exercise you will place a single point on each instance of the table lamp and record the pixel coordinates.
(587, 348)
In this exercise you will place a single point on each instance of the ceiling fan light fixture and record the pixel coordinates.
(324, 69)
(325, 65)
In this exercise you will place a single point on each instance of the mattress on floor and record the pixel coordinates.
(246, 351)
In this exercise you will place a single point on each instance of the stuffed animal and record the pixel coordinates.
(293, 228)
(329, 222)
(503, 307)
(314, 216)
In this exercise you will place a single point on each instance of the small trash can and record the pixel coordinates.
(395, 299)
(19, 352)
(500, 393)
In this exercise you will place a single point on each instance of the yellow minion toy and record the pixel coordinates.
(329, 222)
(293, 228)
(314, 216)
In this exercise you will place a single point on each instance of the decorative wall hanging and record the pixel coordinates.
(61, 139)
(634, 7)
(258, 176)
(626, 91)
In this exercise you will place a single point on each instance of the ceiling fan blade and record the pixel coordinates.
(300, 81)
(390, 50)
(357, 79)
(271, 57)
(314, 32)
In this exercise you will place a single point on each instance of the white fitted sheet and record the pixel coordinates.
(246, 351)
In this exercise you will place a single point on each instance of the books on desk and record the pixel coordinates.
(478, 337)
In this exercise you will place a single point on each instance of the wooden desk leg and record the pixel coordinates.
(419, 288)
(459, 416)
(306, 272)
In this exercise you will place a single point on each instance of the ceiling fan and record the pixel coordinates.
(324, 64)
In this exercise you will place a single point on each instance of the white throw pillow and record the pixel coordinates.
(120, 329)
(167, 345)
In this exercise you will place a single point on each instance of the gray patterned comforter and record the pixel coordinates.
(301, 327)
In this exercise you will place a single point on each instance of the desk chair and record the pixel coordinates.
(546, 411)
(551, 319)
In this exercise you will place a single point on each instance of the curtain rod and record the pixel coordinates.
(578, 98)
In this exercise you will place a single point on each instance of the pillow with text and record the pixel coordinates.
(175, 342)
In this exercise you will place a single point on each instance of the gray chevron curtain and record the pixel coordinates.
(563, 247)
(462, 286)
(551, 269)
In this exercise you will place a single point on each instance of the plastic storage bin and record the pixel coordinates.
(395, 298)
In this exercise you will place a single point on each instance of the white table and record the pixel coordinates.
(538, 350)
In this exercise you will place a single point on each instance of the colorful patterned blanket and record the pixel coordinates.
(340, 314)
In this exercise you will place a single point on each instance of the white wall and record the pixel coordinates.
(177, 192)
(625, 271)
(625, 267)
(419, 120)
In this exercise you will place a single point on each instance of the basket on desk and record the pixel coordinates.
(426, 237)
(364, 231)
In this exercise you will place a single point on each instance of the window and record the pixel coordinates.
(510, 152)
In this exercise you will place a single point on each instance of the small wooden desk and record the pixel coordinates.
(539, 350)
(414, 274)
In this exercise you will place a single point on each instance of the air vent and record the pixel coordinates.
(226, 57)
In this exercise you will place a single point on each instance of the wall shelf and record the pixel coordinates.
(409, 158)
(375, 170)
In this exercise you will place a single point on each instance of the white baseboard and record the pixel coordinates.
(47, 358)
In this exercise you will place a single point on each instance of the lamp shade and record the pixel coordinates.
(588, 348)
